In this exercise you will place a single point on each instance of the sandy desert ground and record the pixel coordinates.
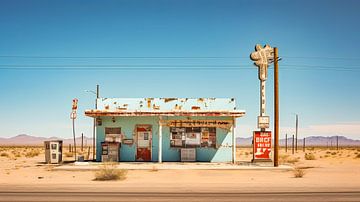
(23, 167)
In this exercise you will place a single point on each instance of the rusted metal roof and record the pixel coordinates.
(98, 113)
(165, 107)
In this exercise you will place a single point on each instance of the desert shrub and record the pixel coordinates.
(32, 153)
(4, 154)
(357, 156)
(287, 159)
(292, 160)
(325, 156)
(299, 172)
(108, 171)
(246, 153)
(69, 154)
(333, 153)
(309, 156)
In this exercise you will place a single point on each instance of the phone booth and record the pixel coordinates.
(53, 151)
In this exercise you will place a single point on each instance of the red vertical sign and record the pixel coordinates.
(262, 145)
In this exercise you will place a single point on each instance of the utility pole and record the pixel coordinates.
(286, 142)
(293, 144)
(296, 132)
(82, 141)
(94, 125)
(304, 145)
(276, 103)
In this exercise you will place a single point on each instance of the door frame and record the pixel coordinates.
(150, 141)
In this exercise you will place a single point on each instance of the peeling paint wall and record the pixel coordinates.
(222, 153)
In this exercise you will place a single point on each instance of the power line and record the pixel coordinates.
(120, 57)
(169, 57)
(169, 66)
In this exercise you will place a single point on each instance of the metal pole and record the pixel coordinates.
(304, 145)
(286, 139)
(73, 122)
(82, 141)
(276, 103)
(160, 141)
(234, 141)
(293, 144)
(296, 132)
(94, 124)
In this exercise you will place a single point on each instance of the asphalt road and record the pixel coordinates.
(187, 196)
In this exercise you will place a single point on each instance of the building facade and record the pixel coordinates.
(165, 129)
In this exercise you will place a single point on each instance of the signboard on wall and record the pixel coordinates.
(262, 145)
(224, 124)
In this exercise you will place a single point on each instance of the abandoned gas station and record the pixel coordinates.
(165, 129)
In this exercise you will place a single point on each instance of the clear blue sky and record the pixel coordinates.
(307, 33)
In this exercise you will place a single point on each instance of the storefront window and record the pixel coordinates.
(193, 137)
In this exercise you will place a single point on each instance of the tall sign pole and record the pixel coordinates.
(73, 117)
(262, 57)
(276, 108)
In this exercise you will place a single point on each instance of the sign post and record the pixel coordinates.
(262, 57)
(73, 117)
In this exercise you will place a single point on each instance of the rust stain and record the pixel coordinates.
(195, 108)
(169, 99)
(148, 102)
(156, 107)
(178, 107)
(107, 107)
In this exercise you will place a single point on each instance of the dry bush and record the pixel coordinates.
(287, 159)
(32, 153)
(309, 156)
(325, 156)
(69, 154)
(108, 171)
(4, 154)
(333, 153)
(357, 156)
(299, 172)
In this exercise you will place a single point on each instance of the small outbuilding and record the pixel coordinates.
(165, 129)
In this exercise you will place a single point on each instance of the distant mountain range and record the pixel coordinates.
(33, 141)
(309, 141)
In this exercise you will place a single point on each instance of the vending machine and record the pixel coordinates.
(53, 151)
(110, 151)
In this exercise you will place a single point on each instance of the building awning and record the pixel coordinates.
(100, 113)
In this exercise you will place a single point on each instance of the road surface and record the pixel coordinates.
(10, 196)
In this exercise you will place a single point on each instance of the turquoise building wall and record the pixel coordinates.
(222, 152)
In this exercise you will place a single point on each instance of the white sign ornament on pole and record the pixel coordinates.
(262, 56)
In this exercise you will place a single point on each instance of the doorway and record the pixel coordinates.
(143, 140)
